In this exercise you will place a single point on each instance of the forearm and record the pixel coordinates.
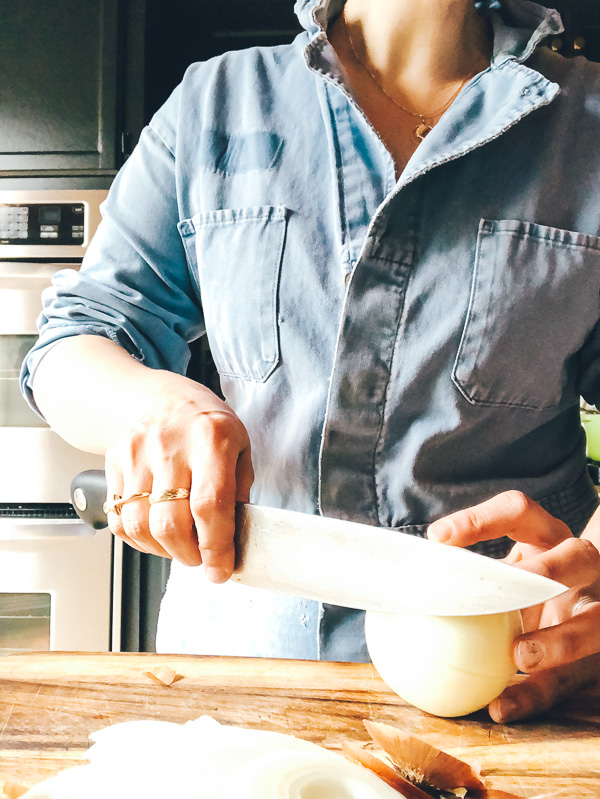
(92, 392)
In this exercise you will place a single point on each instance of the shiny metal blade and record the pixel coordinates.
(373, 568)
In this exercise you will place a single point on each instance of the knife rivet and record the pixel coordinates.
(79, 499)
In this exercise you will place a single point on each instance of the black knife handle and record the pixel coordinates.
(88, 495)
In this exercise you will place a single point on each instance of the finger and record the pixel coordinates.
(572, 640)
(510, 514)
(574, 562)
(219, 447)
(130, 542)
(171, 525)
(135, 521)
(136, 478)
(114, 491)
(117, 459)
(116, 527)
(541, 691)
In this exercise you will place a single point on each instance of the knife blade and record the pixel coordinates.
(356, 565)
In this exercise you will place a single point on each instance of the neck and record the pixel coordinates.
(419, 42)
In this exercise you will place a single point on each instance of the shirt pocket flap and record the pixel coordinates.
(534, 300)
(235, 256)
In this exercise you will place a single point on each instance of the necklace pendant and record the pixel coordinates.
(421, 131)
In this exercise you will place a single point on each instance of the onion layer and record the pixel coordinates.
(207, 760)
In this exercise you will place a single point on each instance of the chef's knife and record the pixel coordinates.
(356, 565)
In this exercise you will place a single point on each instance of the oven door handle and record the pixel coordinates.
(28, 529)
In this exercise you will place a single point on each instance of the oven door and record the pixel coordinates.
(56, 574)
(56, 585)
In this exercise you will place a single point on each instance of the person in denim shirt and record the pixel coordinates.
(388, 230)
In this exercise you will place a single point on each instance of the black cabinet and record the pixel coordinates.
(80, 77)
(581, 37)
(64, 66)
(180, 32)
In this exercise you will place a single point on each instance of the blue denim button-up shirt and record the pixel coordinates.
(397, 349)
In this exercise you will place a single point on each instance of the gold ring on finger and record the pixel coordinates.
(169, 494)
(133, 497)
(117, 504)
(114, 506)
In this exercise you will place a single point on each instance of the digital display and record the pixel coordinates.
(49, 214)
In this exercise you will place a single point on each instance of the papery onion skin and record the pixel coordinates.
(445, 665)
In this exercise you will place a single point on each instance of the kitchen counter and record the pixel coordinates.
(51, 702)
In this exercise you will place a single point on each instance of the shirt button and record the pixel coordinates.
(347, 277)
(525, 92)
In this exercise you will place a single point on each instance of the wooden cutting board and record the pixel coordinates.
(51, 702)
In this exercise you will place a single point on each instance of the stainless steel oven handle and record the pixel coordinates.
(14, 529)
(22, 273)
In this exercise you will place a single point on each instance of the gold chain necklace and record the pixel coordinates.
(423, 128)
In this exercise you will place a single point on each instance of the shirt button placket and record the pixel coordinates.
(361, 374)
(375, 287)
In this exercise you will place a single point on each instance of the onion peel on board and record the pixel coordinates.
(164, 675)
(419, 762)
(416, 769)
(357, 754)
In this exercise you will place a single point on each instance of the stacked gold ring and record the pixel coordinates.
(117, 502)
(116, 505)
(169, 494)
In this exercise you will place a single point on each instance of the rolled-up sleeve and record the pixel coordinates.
(134, 285)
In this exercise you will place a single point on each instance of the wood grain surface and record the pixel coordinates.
(51, 702)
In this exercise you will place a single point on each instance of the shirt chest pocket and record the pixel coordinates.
(235, 256)
(534, 300)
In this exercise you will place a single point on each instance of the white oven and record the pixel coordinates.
(59, 580)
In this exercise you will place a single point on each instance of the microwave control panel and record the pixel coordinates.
(35, 224)
(48, 224)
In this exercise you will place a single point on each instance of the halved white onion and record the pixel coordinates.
(444, 665)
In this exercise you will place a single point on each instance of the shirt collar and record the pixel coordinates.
(518, 27)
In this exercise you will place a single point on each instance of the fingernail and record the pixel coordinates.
(530, 655)
(504, 709)
(440, 532)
